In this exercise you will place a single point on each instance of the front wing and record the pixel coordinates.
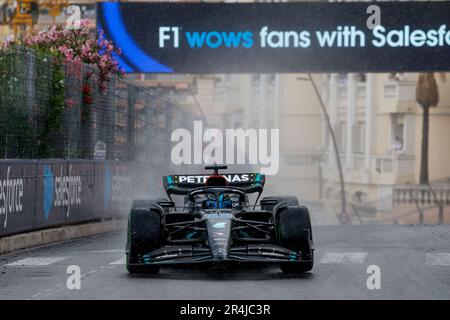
(185, 254)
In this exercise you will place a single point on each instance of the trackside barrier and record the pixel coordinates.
(37, 194)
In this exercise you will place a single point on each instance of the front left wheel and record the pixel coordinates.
(293, 224)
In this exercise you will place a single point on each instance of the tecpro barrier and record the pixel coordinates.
(36, 194)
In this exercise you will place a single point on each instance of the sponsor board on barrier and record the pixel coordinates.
(16, 196)
(46, 193)
(61, 191)
(67, 190)
(11, 196)
(82, 200)
(117, 187)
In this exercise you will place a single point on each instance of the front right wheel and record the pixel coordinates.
(144, 236)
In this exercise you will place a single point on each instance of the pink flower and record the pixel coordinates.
(70, 102)
(75, 46)
(84, 23)
(7, 43)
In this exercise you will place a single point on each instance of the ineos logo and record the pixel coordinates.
(11, 194)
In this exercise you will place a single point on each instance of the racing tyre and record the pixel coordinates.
(144, 235)
(294, 232)
(268, 203)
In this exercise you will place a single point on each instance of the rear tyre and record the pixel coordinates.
(144, 235)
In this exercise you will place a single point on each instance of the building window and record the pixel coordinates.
(361, 77)
(341, 136)
(238, 116)
(219, 96)
(397, 133)
(359, 137)
(360, 196)
(271, 79)
(384, 165)
(361, 91)
(218, 81)
(227, 80)
(271, 123)
(390, 91)
(342, 92)
(256, 80)
(301, 160)
(343, 77)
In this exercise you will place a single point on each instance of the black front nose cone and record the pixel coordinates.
(219, 226)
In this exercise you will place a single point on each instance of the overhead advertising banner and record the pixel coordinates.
(278, 37)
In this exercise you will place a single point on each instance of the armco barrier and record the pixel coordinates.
(36, 194)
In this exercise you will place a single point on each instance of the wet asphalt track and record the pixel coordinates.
(414, 263)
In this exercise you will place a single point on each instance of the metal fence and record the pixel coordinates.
(49, 110)
(87, 151)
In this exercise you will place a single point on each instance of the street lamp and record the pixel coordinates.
(344, 213)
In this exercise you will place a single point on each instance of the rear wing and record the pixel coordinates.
(183, 184)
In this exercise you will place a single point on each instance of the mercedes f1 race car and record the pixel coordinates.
(218, 225)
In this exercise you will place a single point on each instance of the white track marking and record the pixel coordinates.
(437, 259)
(108, 251)
(121, 261)
(36, 261)
(343, 257)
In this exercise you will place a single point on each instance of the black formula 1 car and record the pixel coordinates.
(218, 225)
